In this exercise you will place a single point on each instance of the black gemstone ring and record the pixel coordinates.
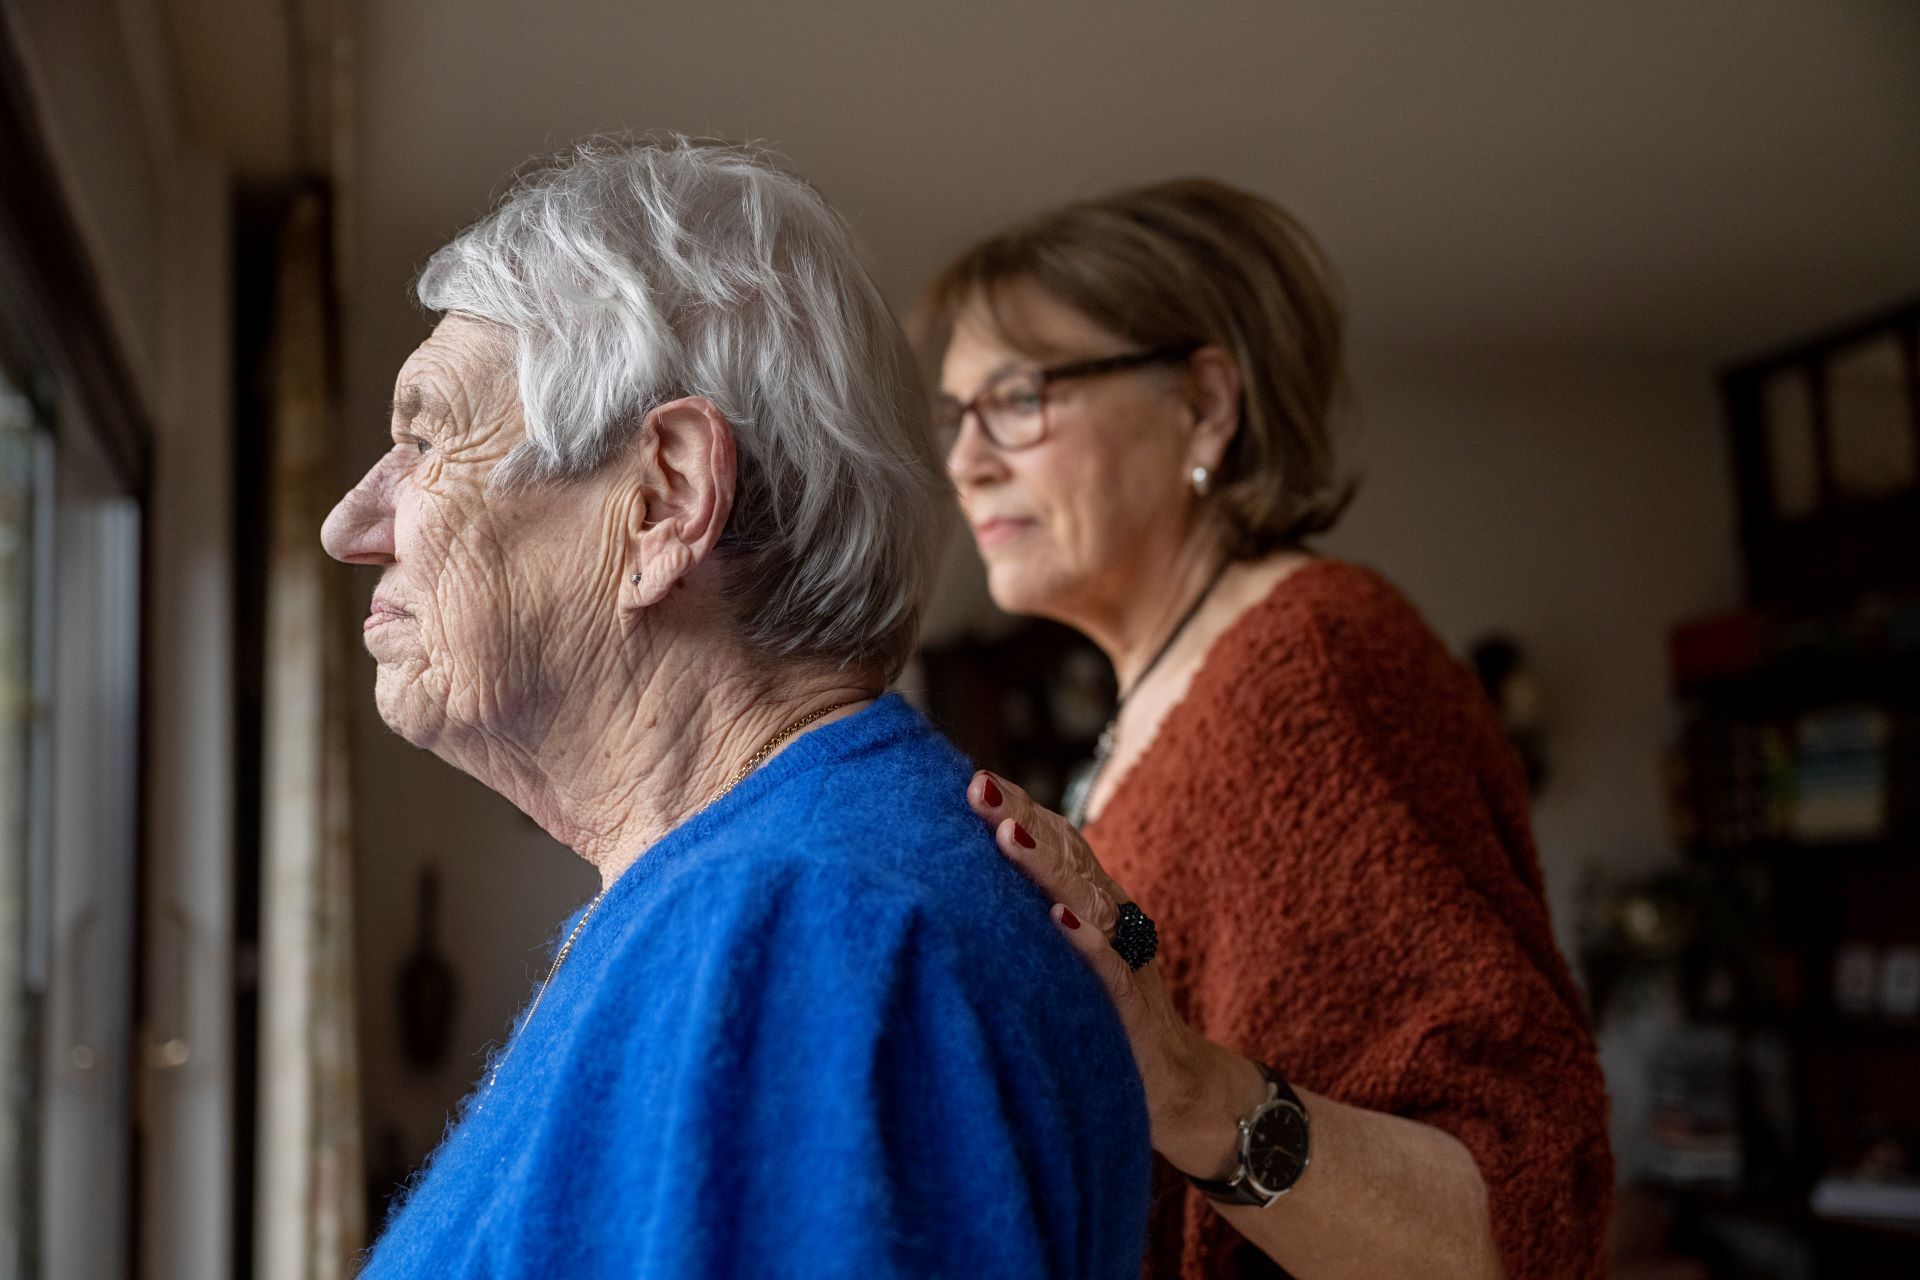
(1134, 937)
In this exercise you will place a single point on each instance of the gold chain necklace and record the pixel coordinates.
(560, 957)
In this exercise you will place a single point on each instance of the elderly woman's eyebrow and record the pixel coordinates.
(412, 403)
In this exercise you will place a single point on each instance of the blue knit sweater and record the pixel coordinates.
(822, 1029)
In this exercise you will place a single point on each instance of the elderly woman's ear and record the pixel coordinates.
(681, 495)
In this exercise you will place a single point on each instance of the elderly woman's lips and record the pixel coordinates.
(380, 613)
(989, 532)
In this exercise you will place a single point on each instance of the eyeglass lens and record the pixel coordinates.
(1009, 407)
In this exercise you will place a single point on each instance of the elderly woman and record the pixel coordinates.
(1360, 1046)
(653, 534)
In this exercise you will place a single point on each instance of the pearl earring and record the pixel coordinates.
(1202, 482)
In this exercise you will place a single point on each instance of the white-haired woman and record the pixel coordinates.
(653, 535)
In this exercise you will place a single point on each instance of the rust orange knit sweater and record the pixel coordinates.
(1332, 834)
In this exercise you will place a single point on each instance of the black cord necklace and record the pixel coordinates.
(1080, 790)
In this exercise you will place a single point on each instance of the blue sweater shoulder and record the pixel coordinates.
(828, 1031)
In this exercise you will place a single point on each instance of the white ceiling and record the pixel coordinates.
(1706, 177)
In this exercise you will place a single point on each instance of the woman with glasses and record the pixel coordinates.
(1307, 877)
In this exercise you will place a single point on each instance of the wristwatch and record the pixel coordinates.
(1274, 1149)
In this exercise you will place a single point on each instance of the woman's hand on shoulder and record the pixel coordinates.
(1185, 1075)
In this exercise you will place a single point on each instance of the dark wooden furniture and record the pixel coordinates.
(1829, 526)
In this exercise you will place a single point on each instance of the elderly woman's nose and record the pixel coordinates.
(359, 529)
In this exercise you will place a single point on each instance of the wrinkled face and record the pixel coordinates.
(1070, 524)
(489, 605)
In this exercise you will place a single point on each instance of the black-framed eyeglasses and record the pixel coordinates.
(1012, 405)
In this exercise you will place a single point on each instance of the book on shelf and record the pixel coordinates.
(1694, 1132)
(1840, 775)
(1849, 1195)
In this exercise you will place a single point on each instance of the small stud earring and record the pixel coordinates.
(1202, 482)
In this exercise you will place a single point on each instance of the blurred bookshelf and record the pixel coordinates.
(1787, 1109)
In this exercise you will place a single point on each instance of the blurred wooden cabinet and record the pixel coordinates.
(1796, 794)
(1028, 705)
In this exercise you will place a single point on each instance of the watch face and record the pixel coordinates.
(1277, 1147)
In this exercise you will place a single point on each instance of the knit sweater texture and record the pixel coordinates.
(821, 1029)
(1332, 834)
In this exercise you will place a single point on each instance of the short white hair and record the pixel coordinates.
(631, 273)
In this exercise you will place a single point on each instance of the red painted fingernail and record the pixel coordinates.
(1021, 838)
(1068, 919)
(989, 792)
